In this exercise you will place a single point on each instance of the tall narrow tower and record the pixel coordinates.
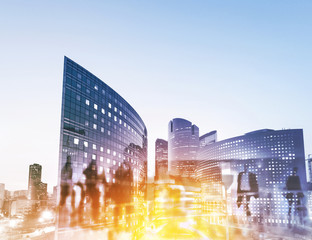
(183, 143)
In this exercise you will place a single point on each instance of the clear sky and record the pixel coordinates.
(231, 66)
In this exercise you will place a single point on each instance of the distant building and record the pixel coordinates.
(20, 207)
(161, 159)
(21, 194)
(36, 189)
(309, 168)
(183, 143)
(2, 195)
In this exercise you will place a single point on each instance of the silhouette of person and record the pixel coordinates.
(91, 189)
(248, 187)
(294, 186)
(77, 203)
(66, 180)
(121, 191)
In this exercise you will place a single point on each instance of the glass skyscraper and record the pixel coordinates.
(161, 159)
(183, 143)
(98, 128)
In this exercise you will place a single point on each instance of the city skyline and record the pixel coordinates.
(242, 74)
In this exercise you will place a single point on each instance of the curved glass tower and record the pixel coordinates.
(101, 136)
(271, 156)
(183, 143)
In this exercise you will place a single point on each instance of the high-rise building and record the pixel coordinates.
(309, 168)
(36, 189)
(161, 159)
(271, 155)
(183, 143)
(99, 129)
(207, 138)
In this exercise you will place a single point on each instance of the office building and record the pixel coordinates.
(2, 195)
(271, 155)
(207, 139)
(183, 143)
(161, 159)
(37, 190)
(309, 168)
(99, 126)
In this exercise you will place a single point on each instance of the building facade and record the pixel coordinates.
(183, 143)
(37, 190)
(207, 139)
(161, 159)
(98, 126)
(271, 155)
(309, 168)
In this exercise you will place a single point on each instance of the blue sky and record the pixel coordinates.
(233, 66)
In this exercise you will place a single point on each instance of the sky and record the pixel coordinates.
(230, 66)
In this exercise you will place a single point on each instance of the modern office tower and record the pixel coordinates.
(34, 181)
(207, 138)
(309, 168)
(271, 155)
(183, 143)
(98, 126)
(161, 159)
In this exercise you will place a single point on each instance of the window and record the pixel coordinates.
(102, 129)
(76, 141)
(101, 149)
(108, 160)
(94, 126)
(96, 87)
(95, 106)
(94, 116)
(109, 114)
(85, 144)
(103, 111)
(101, 159)
(93, 157)
(115, 109)
(94, 146)
(109, 105)
(108, 151)
(87, 102)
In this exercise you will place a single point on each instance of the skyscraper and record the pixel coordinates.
(99, 130)
(183, 143)
(36, 189)
(309, 168)
(161, 159)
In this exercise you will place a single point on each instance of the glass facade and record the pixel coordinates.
(100, 132)
(271, 156)
(161, 159)
(183, 143)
